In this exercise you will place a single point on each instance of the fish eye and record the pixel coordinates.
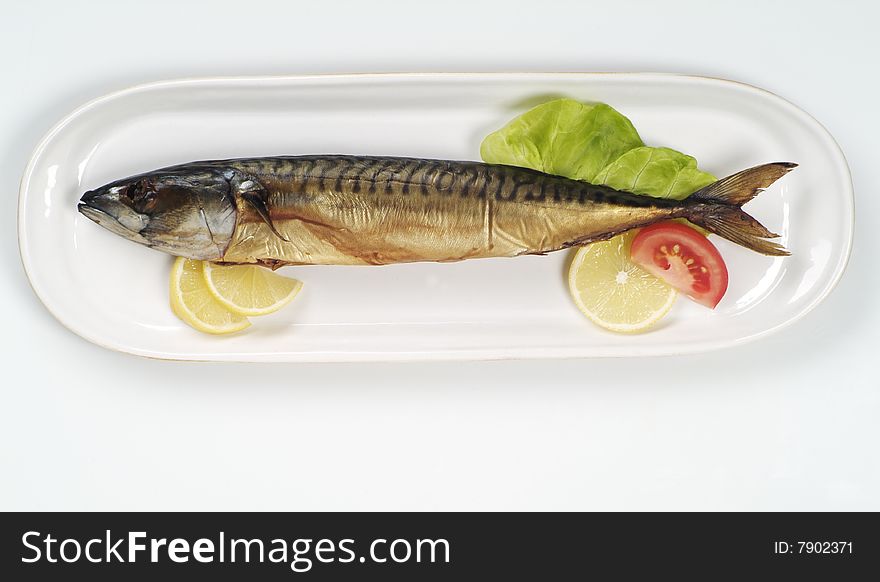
(134, 191)
(142, 195)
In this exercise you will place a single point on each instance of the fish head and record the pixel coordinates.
(185, 212)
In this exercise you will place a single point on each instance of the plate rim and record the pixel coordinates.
(445, 355)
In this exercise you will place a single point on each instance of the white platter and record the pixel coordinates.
(114, 293)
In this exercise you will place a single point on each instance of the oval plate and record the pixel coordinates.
(115, 293)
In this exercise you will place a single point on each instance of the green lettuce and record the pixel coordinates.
(595, 143)
(658, 172)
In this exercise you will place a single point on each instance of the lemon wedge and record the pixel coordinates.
(249, 289)
(614, 292)
(192, 301)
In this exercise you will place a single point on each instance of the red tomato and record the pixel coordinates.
(684, 258)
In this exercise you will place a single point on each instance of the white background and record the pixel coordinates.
(789, 422)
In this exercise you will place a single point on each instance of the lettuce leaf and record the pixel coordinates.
(658, 172)
(595, 143)
(563, 137)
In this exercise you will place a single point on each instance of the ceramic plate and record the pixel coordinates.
(115, 293)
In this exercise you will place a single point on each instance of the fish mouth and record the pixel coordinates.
(90, 206)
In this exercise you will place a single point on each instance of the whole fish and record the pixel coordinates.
(360, 210)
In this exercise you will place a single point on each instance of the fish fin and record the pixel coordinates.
(251, 191)
(736, 226)
(258, 203)
(718, 208)
(273, 264)
(741, 187)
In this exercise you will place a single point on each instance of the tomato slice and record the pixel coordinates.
(684, 258)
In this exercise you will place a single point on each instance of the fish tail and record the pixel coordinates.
(718, 208)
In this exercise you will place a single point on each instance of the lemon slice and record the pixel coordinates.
(192, 301)
(613, 291)
(250, 289)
